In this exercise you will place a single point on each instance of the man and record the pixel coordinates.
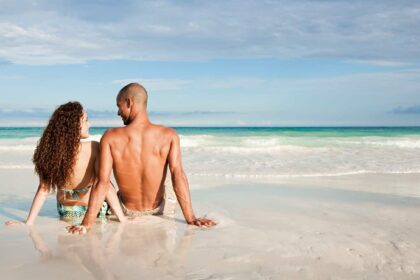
(139, 154)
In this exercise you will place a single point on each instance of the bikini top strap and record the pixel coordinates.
(74, 194)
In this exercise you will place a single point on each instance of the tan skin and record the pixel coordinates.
(139, 155)
(84, 174)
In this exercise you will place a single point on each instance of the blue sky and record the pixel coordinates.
(275, 63)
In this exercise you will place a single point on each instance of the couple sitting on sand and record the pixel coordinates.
(138, 153)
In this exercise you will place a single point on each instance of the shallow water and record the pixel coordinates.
(269, 154)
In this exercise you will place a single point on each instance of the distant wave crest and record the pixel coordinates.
(269, 156)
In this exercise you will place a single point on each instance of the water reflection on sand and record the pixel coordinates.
(149, 247)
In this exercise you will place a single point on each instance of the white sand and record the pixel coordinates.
(353, 227)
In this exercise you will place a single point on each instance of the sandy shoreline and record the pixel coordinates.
(267, 231)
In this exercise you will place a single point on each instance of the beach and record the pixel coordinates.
(290, 204)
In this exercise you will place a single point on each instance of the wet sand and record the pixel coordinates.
(332, 228)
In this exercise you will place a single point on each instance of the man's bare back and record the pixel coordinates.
(140, 160)
(139, 154)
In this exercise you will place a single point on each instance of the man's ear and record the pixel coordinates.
(128, 102)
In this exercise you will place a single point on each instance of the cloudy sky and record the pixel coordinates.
(239, 62)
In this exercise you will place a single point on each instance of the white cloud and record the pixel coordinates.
(12, 77)
(156, 84)
(383, 63)
(54, 32)
(362, 98)
(159, 85)
(376, 82)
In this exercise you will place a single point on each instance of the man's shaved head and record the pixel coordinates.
(134, 91)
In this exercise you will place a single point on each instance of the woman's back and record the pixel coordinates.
(83, 176)
(67, 165)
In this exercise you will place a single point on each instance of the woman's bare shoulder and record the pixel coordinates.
(90, 146)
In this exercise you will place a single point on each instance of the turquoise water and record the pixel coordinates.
(27, 132)
(270, 153)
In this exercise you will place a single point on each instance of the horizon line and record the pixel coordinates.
(252, 126)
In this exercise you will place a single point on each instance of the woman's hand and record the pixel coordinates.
(12, 223)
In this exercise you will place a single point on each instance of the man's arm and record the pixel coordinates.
(180, 184)
(114, 203)
(111, 196)
(100, 190)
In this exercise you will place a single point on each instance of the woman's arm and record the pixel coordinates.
(37, 203)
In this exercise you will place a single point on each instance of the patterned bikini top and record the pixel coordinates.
(74, 194)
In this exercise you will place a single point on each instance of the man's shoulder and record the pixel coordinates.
(164, 130)
(112, 133)
(112, 130)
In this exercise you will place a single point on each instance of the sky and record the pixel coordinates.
(214, 63)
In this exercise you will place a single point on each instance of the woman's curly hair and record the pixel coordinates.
(55, 154)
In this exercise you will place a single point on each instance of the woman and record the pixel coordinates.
(68, 166)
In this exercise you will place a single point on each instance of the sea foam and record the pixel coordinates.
(269, 156)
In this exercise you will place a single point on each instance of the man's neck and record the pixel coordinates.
(140, 118)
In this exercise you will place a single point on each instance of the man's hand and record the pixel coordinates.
(77, 229)
(12, 223)
(202, 222)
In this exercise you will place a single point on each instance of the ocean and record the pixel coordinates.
(269, 153)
